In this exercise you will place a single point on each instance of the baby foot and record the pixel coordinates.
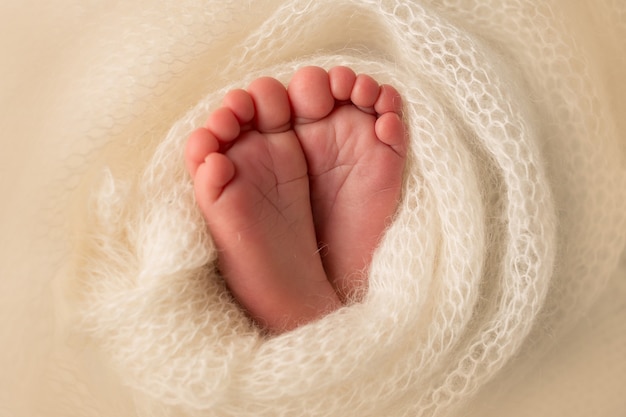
(251, 184)
(354, 141)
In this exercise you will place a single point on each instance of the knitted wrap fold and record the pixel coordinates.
(510, 228)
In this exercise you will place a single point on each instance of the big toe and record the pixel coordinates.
(310, 94)
(271, 105)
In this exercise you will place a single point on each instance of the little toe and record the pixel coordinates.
(310, 94)
(271, 105)
(201, 143)
(365, 93)
(390, 130)
(211, 178)
(341, 82)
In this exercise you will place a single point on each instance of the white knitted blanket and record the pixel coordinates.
(498, 289)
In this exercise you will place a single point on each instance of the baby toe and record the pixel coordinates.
(201, 143)
(390, 130)
(211, 178)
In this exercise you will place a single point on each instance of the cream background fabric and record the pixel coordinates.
(500, 288)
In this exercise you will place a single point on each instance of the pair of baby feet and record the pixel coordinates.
(297, 186)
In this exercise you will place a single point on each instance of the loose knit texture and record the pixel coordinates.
(499, 282)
